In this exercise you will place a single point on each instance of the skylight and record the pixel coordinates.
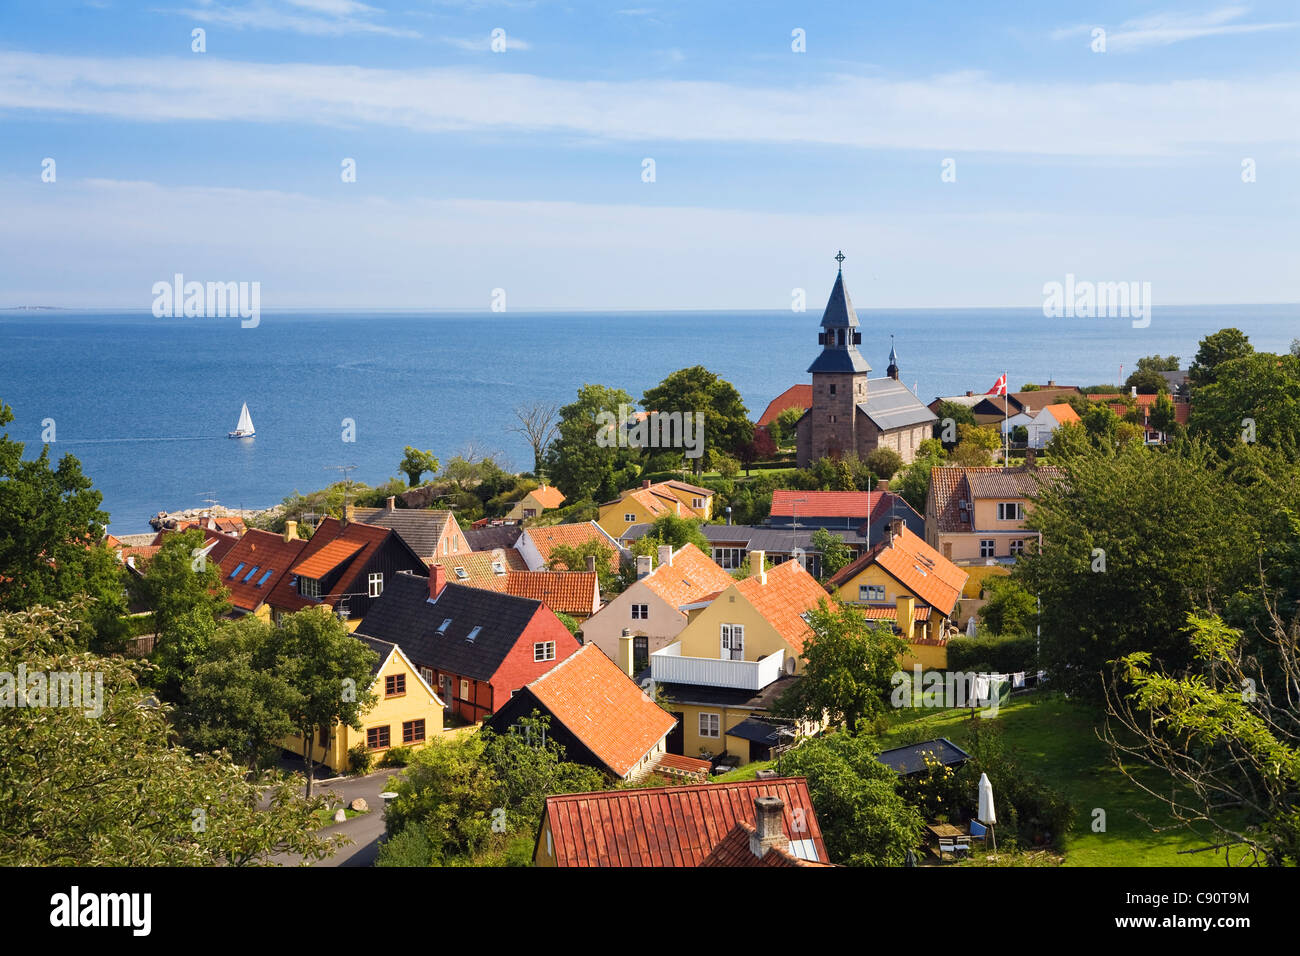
(498, 567)
(249, 576)
(262, 580)
(473, 633)
(462, 573)
(442, 628)
(239, 567)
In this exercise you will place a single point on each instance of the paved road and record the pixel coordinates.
(364, 831)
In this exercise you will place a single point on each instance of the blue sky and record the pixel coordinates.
(522, 169)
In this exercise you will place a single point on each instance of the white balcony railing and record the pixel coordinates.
(668, 666)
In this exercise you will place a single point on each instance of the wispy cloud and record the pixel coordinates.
(1164, 29)
(310, 17)
(957, 112)
(483, 44)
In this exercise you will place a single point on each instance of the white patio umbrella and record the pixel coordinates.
(970, 626)
(987, 815)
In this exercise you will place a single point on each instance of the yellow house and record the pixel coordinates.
(738, 653)
(975, 517)
(535, 502)
(904, 580)
(643, 505)
(408, 713)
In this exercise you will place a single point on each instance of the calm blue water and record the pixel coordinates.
(145, 403)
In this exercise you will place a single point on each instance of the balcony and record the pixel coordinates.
(668, 666)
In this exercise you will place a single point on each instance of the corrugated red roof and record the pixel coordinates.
(735, 851)
(669, 826)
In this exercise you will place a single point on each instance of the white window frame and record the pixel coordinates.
(992, 545)
(728, 637)
(640, 612)
(1016, 511)
(375, 584)
(871, 592)
(629, 518)
(309, 587)
(464, 689)
(1016, 547)
(710, 722)
(697, 502)
(543, 651)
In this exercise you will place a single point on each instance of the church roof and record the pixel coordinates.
(839, 312)
(891, 404)
(837, 359)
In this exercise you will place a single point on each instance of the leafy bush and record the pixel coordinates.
(1029, 812)
(1003, 654)
(361, 759)
(397, 757)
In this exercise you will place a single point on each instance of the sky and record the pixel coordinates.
(959, 154)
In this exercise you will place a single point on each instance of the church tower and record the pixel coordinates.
(839, 380)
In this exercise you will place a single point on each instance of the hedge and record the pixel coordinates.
(1002, 654)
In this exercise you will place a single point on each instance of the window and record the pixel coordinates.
(709, 725)
(446, 623)
(239, 567)
(832, 389)
(871, 592)
(376, 583)
(733, 642)
(947, 551)
(1018, 546)
(530, 512)
(249, 576)
(728, 557)
(265, 576)
(697, 502)
(498, 568)
(1010, 511)
(427, 674)
(412, 731)
(630, 518)
(395, 685)
(461, 573)
(640, 653)
(544, 651)
(309, 587)
(473, 633)
(377, 738)
(986, 547)
(640, 612)
(464, 690)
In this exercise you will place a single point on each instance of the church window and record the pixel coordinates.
(832, 389)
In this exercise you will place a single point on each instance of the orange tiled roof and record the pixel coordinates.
(914, 564)
(790, 592)
(889, 612)
(603, 708)
(685, 764)
(545, 538)
(548, 496)
(327, 558)
(265, 552)
(691, 576)
(796, 396)
(668, 826)
(477, 567)
(568, 592)
(1063, 413)
(734, 851)
(825, 504)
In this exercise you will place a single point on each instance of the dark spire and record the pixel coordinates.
(892, 371)
(840, 337)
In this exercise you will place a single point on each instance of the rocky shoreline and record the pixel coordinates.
(169, 519)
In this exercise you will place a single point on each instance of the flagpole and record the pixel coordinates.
(1006, 435)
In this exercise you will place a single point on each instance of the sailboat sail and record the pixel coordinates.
(245, 427)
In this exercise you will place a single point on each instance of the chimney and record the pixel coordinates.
(969, 394)
(625, 652)
(893, 530)
(882, 485)
(290, 531)
(1051, 383)
(1029, 457)
(905, 605)
(769, 827)
(666, 554)
(591, 563)
(437, 580)
(1133, 391)
(642, 566)
(349, 513)
(391, 503)
(756, 566)
(645, 483)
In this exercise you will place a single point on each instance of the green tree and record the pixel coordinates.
(567, 557)
(1215, 349)
(727, 427)
(959, 415)
(1158, 363)
(835, 553)
(1164, 417)
(51, 526)
(1255, 398)
(529, 766)
(864, 820)
(1010, 609)
(449, 790)
(415, 463)
(913, 482)
(849, 665)
(1147, 382)
(884, 462)
(81, 788)
(784, 427)
(329, 671)
(673, 531)
(234, 699)
(1069, 440)
(585, 460)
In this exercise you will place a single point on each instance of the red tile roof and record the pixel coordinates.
(796, 396)
(565, 592)
(546, 537)
(478, 567)
(324, 560)
(691, 576)
(1064, 413)
(668, 826)
(265, 552)
(926, 573)
(329, 531)
(825, 504)
(790, 592)
(548, 496)
(603, 708)
(952, 484)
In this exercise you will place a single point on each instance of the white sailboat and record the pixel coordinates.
(245, 427)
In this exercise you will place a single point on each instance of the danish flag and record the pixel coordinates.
(999, 387)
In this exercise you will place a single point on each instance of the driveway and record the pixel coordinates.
(364, 831)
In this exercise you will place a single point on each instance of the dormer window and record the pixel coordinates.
(309, 587)
(498, 567)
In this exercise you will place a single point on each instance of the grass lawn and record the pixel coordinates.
(747, 772)
(326, 817)
(1055, 739)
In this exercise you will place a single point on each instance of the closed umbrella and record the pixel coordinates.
(970, 626)
(987, 815)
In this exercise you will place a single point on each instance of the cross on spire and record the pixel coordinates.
(839, 257)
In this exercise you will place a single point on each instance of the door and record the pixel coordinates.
(676, 737)
(445, 691)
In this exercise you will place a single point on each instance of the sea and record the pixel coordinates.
(145, 403)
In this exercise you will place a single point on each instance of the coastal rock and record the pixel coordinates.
(340, 815)
(359, 805)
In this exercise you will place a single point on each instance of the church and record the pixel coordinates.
(850, 412)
